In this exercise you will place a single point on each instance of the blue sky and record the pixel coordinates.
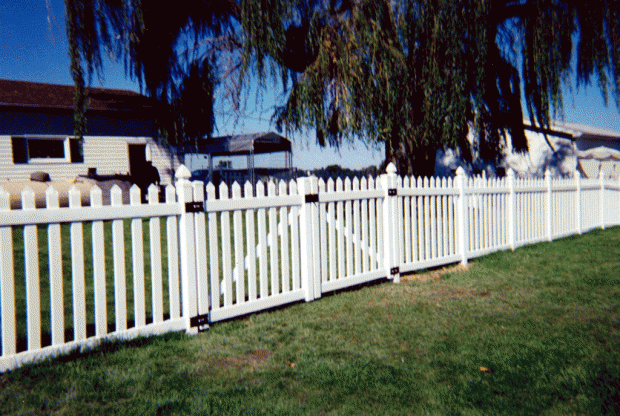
(33, 47)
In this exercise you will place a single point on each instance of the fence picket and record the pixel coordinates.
(262, 244)
(340, 230)
(101, 319)
(7, 281)
(173, 257)
(372, 226)
(273, 242)
(444, 219)
(31, 269)
(214, 259)
(239, 270)
(356, 229)
(137, 256)
(348, 230)
(323, 224)
(77, 269)
(226, 249)
(399, 204)
(331, 233)
(251, 243)
(433, 214)
(379, 223)
(155, 252)
(284, 252)
(295, 255)
(55, 272)
(451, 222)
(364, 237)
(118, 254)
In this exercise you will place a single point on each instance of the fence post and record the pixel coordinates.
(601, 177)
(309, 237)
(187, 249)
(548, 203)
(462, 214)
(578, 201)
(512, 209)
(200, 235)
(390, 222)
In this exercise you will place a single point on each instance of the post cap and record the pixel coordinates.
(182, 173)
(391, 168)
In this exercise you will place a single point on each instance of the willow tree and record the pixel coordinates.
(416, 75)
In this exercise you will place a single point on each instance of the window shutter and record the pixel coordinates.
(77, 150)
(19, 146)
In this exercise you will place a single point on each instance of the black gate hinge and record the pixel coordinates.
(392, 192)
(394, 270)
(200, 320)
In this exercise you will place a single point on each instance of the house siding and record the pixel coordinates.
(541, 157)
(108, 154)
(105, 146)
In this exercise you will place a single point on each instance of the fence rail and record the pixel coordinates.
(73, 276)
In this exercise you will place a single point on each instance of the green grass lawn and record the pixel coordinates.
(534, 331)
(20, 290)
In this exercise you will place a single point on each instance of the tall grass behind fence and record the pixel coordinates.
(73, 276)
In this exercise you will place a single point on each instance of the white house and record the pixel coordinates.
(36, 133)
(563, 149)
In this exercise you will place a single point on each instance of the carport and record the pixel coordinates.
(248, 145)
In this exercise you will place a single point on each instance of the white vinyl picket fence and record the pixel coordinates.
(191, 261)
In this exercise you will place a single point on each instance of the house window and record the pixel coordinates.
(47, 150)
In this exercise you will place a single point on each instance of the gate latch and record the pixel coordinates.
(312, 198)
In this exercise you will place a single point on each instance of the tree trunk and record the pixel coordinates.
(416, 161)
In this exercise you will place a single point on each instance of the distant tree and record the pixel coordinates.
(416, 75)
(337, 171)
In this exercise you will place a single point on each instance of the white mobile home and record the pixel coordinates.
(36, 133)
(563, 149)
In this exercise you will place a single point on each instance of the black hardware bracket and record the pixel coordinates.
(200, 320)
(394, 270)
(194, 206)
(392, 192)
(312, 198)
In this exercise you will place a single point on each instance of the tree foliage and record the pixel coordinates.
(416, 75)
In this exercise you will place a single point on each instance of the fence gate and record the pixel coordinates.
(249, 250)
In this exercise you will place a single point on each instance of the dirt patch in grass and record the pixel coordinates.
(434, 274)
(450, 292)
(255, 359)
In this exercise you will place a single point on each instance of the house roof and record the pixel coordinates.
(577, 131)
(600, 153)
(24, 94)
(244, 144)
